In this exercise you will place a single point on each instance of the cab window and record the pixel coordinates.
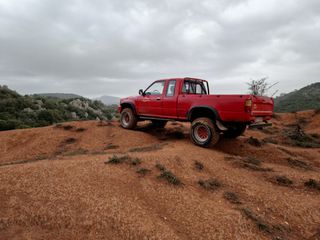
(171, 88)
(191, 87)
(155, 89)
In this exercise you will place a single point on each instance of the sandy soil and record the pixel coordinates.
(55, 184)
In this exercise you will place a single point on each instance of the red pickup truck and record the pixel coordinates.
(188, 99)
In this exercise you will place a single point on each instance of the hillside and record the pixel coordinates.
(299, 100)
(59, 95)
(95, 180)
(17, 111)
(109, 100)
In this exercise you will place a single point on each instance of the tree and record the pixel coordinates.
(260, 86)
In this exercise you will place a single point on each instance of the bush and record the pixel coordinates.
(143, 171)
(313, 184)
(50, 116)
(283, 180)
(198, 165)
(116, 159)
(210, 184)
(232, 197)
(297, 137)
(170, 177)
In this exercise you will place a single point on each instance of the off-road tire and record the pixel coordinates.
(204, 133)
(235, 131)
(128, 119)
(158, 123)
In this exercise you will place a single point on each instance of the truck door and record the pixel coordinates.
(169, 102)
(151, 102)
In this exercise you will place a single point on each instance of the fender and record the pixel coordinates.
(213, 110)
(131, 105)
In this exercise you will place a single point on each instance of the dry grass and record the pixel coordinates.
(299, 164)
(283, 180)
(295, 136)
(232, 197)
(67, 127)
(254, 164)
(250, 163)
(70, 140)
(149, 148)
(143, 171)
(160, 167)
(81, 129)
(170, 177)
(135, 161)
(210, 184)
(260, 223)
(111, 146)
(287, 151)
(254, 142)
(270, 140)
(198, 165)
(313, 184)
(117, 160)
(276, 231)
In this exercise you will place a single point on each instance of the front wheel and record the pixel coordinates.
(204, 133)
(127, 119)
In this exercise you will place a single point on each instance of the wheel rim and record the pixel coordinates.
(125, 119)
(201, 133)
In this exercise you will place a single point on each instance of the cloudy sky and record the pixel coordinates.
(112, 47)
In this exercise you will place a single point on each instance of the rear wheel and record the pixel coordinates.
(159, 123)
(127, 119)
(204, 133)
(235, 131)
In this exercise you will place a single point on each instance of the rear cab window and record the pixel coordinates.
(193, 87)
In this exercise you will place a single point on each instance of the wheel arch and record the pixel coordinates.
(128, 105)
(203, 111)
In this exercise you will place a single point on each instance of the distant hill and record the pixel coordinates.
(17, 111)
(59, 95)
(109, 100)
(303, 99)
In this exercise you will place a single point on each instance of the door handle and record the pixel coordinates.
(158, 99)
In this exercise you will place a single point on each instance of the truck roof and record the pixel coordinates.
(182, 78)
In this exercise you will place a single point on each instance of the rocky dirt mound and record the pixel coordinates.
(93, 179)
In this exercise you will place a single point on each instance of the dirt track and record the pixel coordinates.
(55, 184)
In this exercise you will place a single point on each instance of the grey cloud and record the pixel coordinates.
(116, 47)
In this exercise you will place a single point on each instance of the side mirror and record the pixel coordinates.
(141, 92)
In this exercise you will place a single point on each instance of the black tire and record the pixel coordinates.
(128, 119)
(204, 133)
(235, 131)
(158, 123)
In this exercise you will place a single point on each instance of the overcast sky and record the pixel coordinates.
(113, 47)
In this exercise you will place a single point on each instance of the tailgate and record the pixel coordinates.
(262, 106)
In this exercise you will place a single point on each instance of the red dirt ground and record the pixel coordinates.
(55, 184)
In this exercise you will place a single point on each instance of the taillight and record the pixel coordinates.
(248, 105)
